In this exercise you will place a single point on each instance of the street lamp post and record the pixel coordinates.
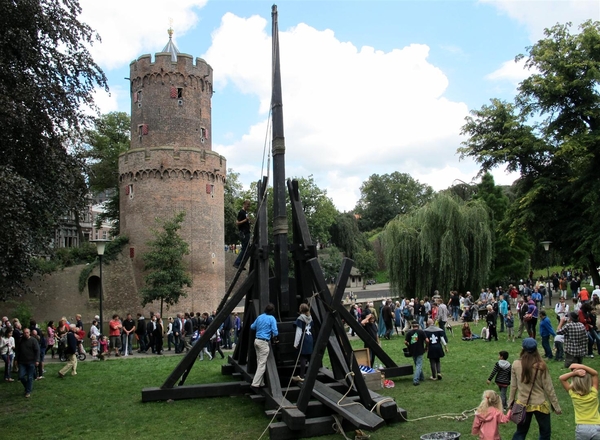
(546, 245)
(100, 246)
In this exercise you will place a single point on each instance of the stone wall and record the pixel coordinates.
(57, 294)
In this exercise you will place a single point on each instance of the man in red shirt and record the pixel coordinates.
(584, 295)
(115, 334)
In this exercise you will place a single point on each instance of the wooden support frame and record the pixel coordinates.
(320, 391)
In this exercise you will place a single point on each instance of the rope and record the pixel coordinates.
(351, 374)
(337, 426)
(459, 417)
(377, 405)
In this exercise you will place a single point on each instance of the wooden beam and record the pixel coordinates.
(362, 334)
(193, 391)
(314, 427)
(401, 370)
(316, 359)
(348, 356)
(356, 414)
(188, 360)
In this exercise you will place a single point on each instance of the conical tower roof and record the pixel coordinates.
(170, 47)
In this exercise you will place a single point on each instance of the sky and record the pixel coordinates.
(369, 87)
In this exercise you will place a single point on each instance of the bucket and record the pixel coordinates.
(444, 435)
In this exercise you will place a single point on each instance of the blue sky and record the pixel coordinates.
(369, 86)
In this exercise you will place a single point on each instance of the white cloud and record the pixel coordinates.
(537, 15)
(512, 71)
(348, 112)
(133, 27)
(106, 102)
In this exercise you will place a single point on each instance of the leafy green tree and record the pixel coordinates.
(109, 138)
(232, 205)
(510, 255)
(551, 136)
(164, 261)
(331, 261)
(318, 208)
(46, 80)
(444, 245)
(346, 235)
(366, 263)
(384, 197)
(103, 144)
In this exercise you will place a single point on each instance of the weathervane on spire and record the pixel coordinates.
(170, 47)
(170, 30)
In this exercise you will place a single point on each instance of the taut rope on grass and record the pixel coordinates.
(459, 417)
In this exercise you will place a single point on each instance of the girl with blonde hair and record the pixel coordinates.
(488, 416)
(583, 391)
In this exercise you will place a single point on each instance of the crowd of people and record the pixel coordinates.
(519, 311)
(24, 348)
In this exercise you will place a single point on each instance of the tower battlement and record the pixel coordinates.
(164, 60)
(171, 101)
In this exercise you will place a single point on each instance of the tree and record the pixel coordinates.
(510, 255)
(444, 245)
(366, 263)
(232, 204)
(109, 138)
(551, 136)
(346, 235)
(47, 78)
(384, 197)
(103, 144)
(319, 209)
(167, 275)
(331, 263)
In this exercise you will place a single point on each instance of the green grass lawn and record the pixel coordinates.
(104, 399)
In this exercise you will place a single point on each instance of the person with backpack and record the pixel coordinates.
(531, 318)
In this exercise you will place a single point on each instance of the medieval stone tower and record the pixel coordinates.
(170, 167)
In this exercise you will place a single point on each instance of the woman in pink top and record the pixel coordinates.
(488, 416)
(51, 331)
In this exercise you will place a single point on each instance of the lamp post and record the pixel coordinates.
(100, 246)
(546, 245)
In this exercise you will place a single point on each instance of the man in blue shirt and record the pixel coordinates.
(503, 310)
(265, 327)
(546, 331)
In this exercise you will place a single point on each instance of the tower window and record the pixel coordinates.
(137, 96)
(176, 92)
(210, 189)
(142, 130)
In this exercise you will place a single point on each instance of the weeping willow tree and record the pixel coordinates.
(444, 245)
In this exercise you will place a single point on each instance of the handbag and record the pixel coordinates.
(518, 411)
(406, 352)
